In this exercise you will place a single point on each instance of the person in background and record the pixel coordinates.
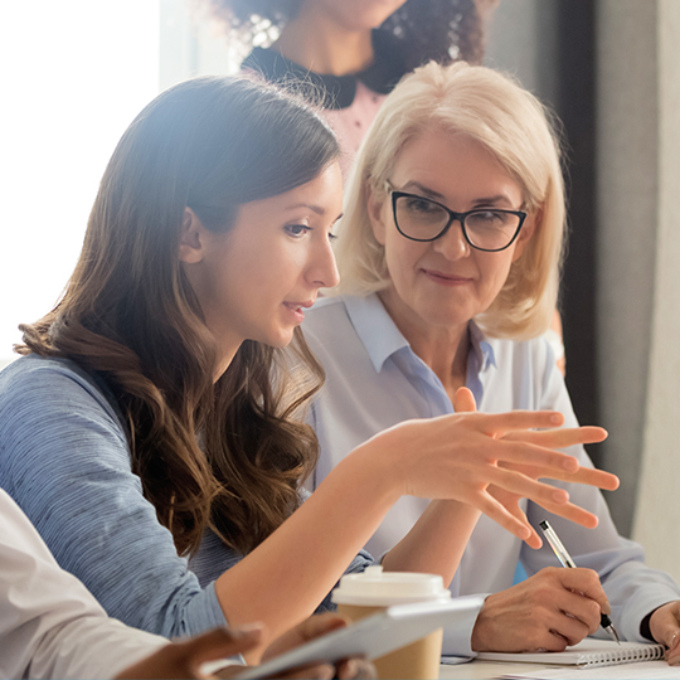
(449, 253)
(52, 627)
(151, 432)
(352, 53)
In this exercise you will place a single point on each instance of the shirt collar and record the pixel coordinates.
(481, 347)
(336, 92)
(375, 328)
(382, 338)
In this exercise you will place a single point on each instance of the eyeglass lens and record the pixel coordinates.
(422, 219)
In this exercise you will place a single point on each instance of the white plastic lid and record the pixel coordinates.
(376, 588)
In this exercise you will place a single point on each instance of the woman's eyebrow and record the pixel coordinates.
(498, 198)
(319, 210)
(426, 191)
(430, 193)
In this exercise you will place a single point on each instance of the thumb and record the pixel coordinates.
(464, 401)
(321, 624)
(219, 643)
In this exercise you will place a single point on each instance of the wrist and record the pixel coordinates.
(367, 466)
(478, 637)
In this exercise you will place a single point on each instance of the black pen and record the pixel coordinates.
(566, 561)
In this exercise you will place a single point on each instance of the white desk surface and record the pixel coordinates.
(483, 670)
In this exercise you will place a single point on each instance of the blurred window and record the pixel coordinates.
(74, 74)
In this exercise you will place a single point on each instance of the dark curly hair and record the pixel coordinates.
(440, 30)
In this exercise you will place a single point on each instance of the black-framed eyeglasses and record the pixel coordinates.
(422, 219)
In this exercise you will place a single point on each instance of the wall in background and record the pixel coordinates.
(622, 279)
(628, 184)
(658, 509)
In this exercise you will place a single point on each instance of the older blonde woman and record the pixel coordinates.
(449, 255)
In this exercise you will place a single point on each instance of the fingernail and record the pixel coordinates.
(556, 418)
(348, 669)
(675, 640)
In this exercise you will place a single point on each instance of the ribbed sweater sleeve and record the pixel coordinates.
(65, 460)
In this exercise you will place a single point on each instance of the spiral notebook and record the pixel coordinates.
(586, 654)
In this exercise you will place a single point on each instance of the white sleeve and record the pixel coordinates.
(634, 589)
(51, 626)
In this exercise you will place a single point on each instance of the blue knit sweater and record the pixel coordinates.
(65, 460)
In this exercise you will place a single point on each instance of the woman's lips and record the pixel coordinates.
(446, 279)
(297, 309)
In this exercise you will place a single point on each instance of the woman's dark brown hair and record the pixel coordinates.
(426, 30)
(226, 455)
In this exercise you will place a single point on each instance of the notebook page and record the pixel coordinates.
(589, 652)
(643, 670)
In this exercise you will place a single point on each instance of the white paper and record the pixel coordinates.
(643, 670)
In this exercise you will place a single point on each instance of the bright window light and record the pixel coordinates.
(75, 73)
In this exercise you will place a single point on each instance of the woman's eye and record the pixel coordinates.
(297, 229)
(489, 216)
(421, 205)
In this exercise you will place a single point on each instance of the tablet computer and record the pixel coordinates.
(371, 637)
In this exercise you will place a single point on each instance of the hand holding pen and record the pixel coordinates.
(566, 561)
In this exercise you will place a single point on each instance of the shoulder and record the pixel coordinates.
(46, 371)
(36, 385)
(328, 317)
(534, 354)
(56, 419)
(523, 375)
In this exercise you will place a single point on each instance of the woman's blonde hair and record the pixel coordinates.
(515, 127)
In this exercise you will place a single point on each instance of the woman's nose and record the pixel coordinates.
(323, 268)
(453, 244)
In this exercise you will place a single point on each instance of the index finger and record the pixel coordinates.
(498, 424)
(561, 438)
(586, 582)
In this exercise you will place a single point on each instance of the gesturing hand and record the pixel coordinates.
(464, 401)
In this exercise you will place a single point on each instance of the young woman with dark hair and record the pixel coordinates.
(152, 417)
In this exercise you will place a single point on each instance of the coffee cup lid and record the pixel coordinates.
(378, 588)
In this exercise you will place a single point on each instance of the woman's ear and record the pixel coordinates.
(375, 214)
(531, 223)
(191, 246)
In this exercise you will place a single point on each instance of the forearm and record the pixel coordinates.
(285, 578)
(436, 542)
(90, 647)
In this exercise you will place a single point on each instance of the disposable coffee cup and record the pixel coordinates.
(360, 595)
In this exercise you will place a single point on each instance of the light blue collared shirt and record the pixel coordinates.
(374, 380)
